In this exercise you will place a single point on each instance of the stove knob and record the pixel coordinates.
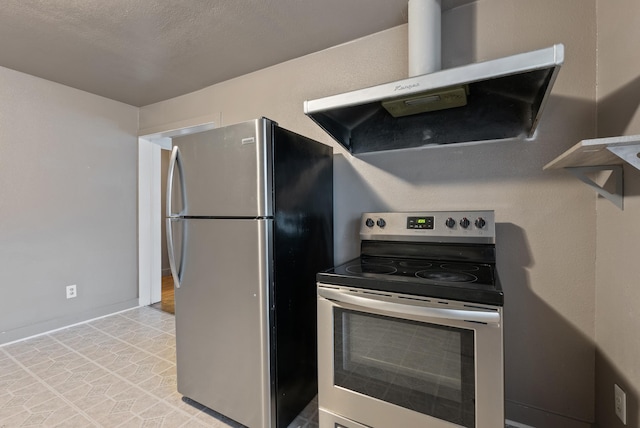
(381, 222)
(369, 222)
(480, 223)
(450, 223)
(464, 222)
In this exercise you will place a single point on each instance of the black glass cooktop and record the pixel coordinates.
(464, 281)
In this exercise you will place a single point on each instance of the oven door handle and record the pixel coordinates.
(487, 317)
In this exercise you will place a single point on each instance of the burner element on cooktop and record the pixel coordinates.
(446, 276)
(371, 268)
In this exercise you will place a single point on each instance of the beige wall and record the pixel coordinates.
(546, 238)
(618, 240)
(67, 205)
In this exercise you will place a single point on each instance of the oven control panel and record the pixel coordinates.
(429, 226)
(420, 222)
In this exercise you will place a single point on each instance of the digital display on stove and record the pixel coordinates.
(419, 222)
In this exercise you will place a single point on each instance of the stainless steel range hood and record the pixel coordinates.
(504, 99)
(489, 100)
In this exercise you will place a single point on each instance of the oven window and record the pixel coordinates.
(424, 367)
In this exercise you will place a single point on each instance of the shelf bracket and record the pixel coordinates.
(629, 153)
(580, 172)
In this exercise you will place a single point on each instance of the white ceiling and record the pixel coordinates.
(144, 51)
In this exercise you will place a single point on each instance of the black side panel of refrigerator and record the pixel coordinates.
(303, 246)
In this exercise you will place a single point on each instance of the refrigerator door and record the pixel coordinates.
(224, 172)
(223, 317)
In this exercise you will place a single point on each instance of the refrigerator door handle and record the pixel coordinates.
(175, 272)
(175, 161)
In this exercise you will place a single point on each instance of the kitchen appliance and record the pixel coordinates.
(410, 333)
(491, 100)
(249, 223)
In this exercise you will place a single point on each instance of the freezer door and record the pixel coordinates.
(222, 317)
(224, 172)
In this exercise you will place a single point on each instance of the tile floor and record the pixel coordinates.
(117, 371)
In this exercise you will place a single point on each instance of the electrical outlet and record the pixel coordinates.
(71, 291)
(620, 403)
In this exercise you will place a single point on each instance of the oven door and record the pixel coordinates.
(390, 360)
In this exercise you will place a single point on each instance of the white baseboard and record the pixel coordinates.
(45, 327)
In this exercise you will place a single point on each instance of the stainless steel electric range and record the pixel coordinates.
(410, 333)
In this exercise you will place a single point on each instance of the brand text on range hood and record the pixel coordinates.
(504, 99)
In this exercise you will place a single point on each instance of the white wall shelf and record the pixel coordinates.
(601, 154)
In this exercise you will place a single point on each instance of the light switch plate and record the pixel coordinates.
(620, 403)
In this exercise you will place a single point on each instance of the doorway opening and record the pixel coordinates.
(155, 284)
(167, 301)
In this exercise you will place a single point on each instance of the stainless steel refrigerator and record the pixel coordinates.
(249, 223)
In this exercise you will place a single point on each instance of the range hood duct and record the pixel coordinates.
(485, 101)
